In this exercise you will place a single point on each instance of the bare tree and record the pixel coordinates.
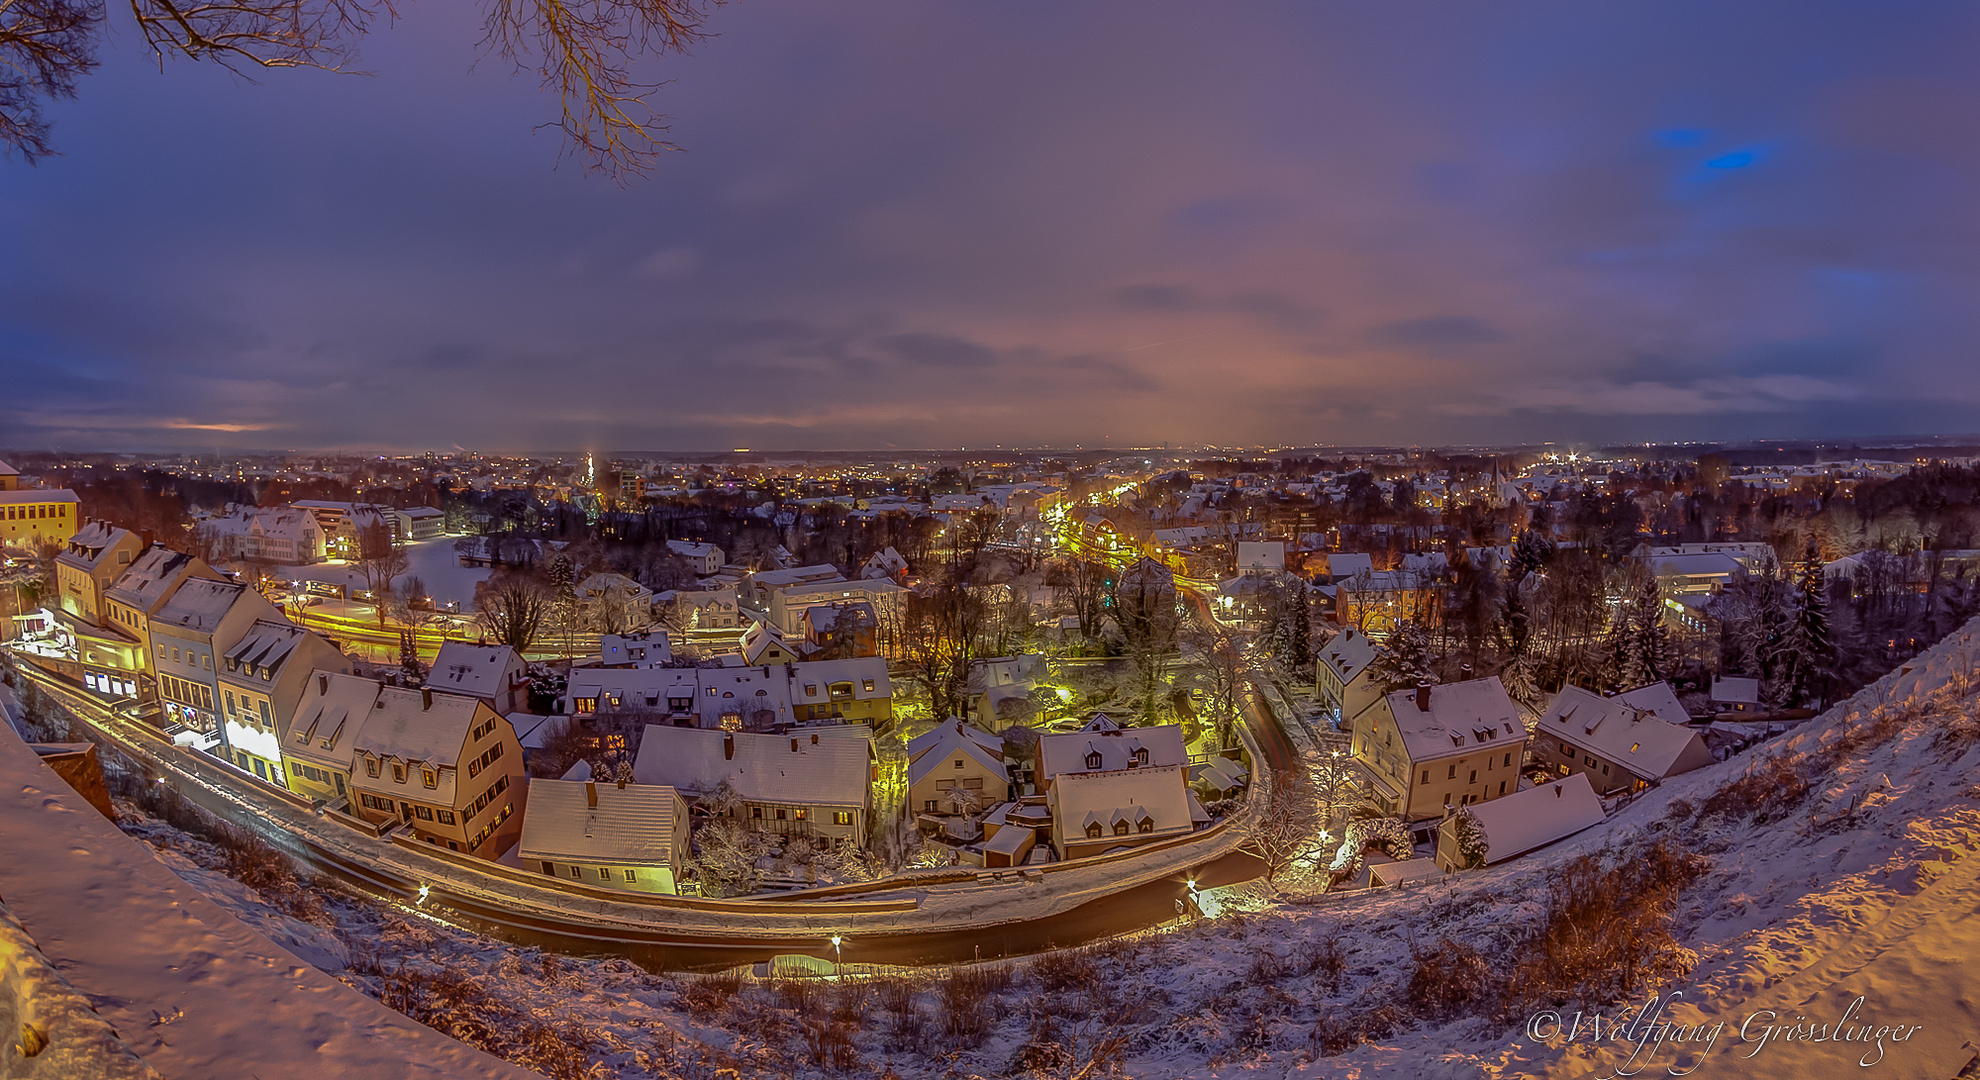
(379, 558)
(511, 607)
(585, 51)
(1288, 826)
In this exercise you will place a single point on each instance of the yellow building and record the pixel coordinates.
(111, 657)
(32, 518)
(1428, 751)
(151, 580)
(263, 677)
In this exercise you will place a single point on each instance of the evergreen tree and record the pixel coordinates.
(1403, 661)
(1807, 656)
(1650, 654)
(1299, 629)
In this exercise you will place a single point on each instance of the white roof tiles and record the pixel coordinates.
(798, 769)
(952, 744)
(584, 821)
(1073, 752)
(464, 668)
(1649, 747)
(1456, 718)
(1524, 820)
(403, 726)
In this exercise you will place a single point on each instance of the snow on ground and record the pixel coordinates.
(432, 561)
(1864, 887)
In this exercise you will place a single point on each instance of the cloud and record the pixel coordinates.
(937, 350)
(669, 263)
(1440, 330)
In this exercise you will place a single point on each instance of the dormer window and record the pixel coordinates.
(430, 776)
(398, 772)
(1141, 756)
(1120, 828)
(1148, 825)
(1093, 831)
(371, 767)
(1093, 759)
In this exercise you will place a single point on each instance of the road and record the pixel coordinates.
(231, 797)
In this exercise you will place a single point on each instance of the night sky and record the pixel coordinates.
(929, 224)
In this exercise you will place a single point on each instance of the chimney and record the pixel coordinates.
(591, 794)
(1423, 696)
(1557, 791)
(322, 682)
(622, 779)
(1464, 672)
(728, 747)
(425, 698)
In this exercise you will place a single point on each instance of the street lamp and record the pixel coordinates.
(838, 957)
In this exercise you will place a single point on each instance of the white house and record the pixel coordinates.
(493, 673)
(800, 784)
(1524, 821)
(705, 559)
(1109, 749)
(1618, 744)
(632, 837)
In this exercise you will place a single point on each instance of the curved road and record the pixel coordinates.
(1137, 908)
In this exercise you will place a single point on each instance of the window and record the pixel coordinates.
(576, 873)
(1635, 746)
(264, 709)
(423, 813)
(604, 873)
(757, 811)
(206, 661)
(371, 769)
(931, 805)
(1147, 824)
(1426, 777)
(780, 813)
(1120, 828)
(474, 769)
(800, 813)
(430, 777)
(869, 685)
(1605, 768)
(1141, 756)
(1453, 774)
(1502, 787)
(446, 816)
(959, 762)
(1093, 760)
(1093, 831)
(842, 817)
(810, 689)
(1474, 777)
(1509, 759)
(550, 869)
(398, 773)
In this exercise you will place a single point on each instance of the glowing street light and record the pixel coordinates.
(838, 957)
(424, 889)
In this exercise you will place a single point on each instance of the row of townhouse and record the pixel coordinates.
(1426, 752)
(752, 698)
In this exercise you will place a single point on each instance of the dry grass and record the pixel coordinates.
(707, 996)
(1768, 790)
(1450, 979)
(463, 1007)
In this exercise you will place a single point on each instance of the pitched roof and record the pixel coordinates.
(37, 495)
(796, 575)
(648, 646)
(87, 547)
(789, 769)
(1104, 798)
(1631, 736)
(579, 820)
(333, 707)
(401, 725)
(1524, 820)
(1461, 717)
(940, 734)
(465, 668)
(266, 644)
(954, 742)
(1659, 698)
(149, 577)
(199, 605)
(1348, 655)
(1068, 752)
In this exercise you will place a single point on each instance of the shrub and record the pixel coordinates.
(706, 995)
(1325, 959)
(1768, 789)
(966, 1001)
(1063, 970)
(1449, 978)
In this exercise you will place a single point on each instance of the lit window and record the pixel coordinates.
(430, 776)
(630, 875)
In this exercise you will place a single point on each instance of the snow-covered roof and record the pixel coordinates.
(1734, 690)
(1070, 752)
(1455, 718)
(652, 646)
(1261, 555)
(265, 645)
(799, 769)
(763, 638)
(87, 547)
(693, 550)
(327, 719)
(478, 670)
(1524, 820)
(954, 742)
(1348, 655)
(199, 605)
(796, 575)
(1701, 564)
(587, 821)
(37, 495)
(1157, 793)
(649, 687)
(811, 680)
(149, 577)
(1658, 697)
(1635, 738)
(404, 726)
(940, 734)
(1344, 564)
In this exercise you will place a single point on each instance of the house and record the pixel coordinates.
(1736, 695)
(704, 559)
(999, 689)
(443, 765)
(1523, 821)
(1344, 680)
(765, 644)
(1342, 565)
(1109, 749)
(1097, 812)
(1010, 832)
(857, 691)
(708, 609)
(760, 586)
(612, 836)
(793, 785)
(33, 518)
(189, 633)
(262, 679)
(957, 759)
(422, 522)
(340, 522)
(285, 536)
(668, 690)
(151, 580)
(1261, 557)
(317, 749)
(493, 673)
(884, 564)
(613, 603)
(1373, 602)
(848, 629)
(1619, 745)
(647, 649)
(1700, 572)
(1435, 747)
(787, 605)
(112, 657)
